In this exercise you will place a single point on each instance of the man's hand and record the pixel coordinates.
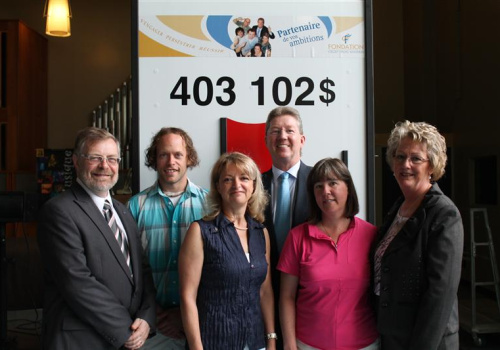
(140, 332)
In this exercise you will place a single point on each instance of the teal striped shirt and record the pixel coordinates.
(163, 227)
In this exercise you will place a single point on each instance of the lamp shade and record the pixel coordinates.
(58, 15)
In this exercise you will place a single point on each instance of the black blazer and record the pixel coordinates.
(300, 214)
(420, 273)
(91, 297)
(264, 30)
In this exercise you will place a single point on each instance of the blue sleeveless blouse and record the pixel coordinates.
(229, 292)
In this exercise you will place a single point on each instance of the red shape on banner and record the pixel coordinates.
(246, 138)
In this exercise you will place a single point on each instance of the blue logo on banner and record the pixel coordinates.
(217, 27)
(328, 24)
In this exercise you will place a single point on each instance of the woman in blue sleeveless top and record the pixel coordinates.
(226, 294)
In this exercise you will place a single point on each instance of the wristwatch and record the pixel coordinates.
(271, 336)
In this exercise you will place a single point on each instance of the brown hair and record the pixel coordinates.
(281, 111)
(151, 151)
(331, 168)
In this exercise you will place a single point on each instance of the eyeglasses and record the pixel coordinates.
(401, 159)
(95, 159)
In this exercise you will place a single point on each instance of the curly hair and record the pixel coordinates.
(327, 169)
(259, 198)
(239, 29)
(424, 133)
(151, 151)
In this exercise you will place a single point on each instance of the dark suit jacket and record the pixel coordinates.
(300, 214)
(420, 273)
(91, 297)
(264, 30)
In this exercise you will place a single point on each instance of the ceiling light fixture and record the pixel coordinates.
(58, 13)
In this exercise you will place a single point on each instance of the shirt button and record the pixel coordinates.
(175, 222)
(175, 241)
(384, 305)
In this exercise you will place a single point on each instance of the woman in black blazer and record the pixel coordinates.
(418, 253)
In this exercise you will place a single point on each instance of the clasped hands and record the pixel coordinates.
(140, 332)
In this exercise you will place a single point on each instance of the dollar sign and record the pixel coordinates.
(329, 94)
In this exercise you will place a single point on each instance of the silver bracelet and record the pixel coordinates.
(271, 336)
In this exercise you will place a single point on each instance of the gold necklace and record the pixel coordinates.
(331, 235)
(234, 224)
(326, 231)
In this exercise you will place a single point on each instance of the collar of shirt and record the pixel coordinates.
(99, 202)
(316, 231)
(294, 170)
(221, 221)
(189, 190)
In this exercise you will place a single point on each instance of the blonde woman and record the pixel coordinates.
(418, 255)
(226, 293)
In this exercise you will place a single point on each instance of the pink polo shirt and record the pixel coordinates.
(332, 307)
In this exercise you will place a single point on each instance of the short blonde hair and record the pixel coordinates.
(259, 197)
(424, 133)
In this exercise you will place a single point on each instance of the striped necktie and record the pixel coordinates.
(120, 237)
(283, 204)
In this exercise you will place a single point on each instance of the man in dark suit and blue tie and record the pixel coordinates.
(99, 293)
(284, 140)
(261, 30)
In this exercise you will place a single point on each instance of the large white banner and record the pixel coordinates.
(191, 74)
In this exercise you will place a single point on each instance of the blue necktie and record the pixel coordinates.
(283, 204)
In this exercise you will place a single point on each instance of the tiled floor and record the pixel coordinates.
(487, 316)
(23, 332)
(24, 326)
(490, 342)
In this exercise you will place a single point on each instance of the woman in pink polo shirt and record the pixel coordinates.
(325, 267)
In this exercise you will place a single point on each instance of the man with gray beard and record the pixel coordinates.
(99, 293)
